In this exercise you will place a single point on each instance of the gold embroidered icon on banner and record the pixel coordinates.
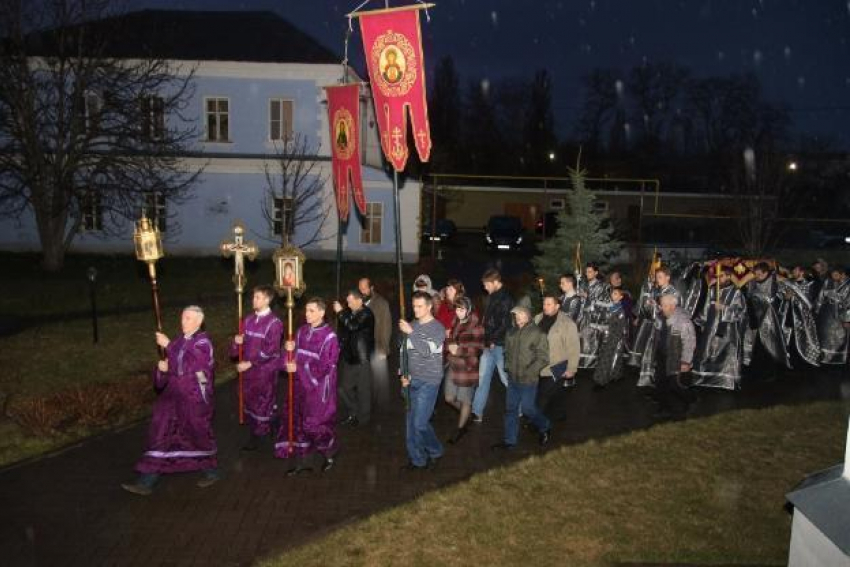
(344, 139)
(394, 63)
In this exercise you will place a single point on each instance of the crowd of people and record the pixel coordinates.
(716, 325)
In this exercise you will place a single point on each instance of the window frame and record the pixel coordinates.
(218, 114)
(367, 228)
(291, 130)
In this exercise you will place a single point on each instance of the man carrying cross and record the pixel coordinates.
(260, 341)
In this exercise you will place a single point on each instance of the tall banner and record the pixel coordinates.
(393, 44)
(344, 121)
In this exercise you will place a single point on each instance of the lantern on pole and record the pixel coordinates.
(148, 243)
(289, 281)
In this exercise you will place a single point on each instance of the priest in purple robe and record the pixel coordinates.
(260, 341)
(316, 349)
(181, 437)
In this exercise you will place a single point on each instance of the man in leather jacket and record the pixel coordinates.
(357, 343)
(497, 321)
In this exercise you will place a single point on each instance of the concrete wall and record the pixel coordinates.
(809, 546)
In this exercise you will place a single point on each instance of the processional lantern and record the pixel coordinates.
(148, 242)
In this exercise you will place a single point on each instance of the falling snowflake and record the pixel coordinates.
(494, 17)
(787, 52)
(801, 81)
(620, 87)
(485, 86)
(757, 57)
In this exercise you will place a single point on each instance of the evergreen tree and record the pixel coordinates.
(579, 222)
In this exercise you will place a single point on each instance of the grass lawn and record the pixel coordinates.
(707, 491)
(52, 353)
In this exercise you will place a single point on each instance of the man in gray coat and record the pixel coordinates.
(383, 330)
(674, 349)
(564, 351)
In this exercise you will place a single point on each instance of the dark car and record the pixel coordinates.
(446, 230)
(503, 232)
(549, 223)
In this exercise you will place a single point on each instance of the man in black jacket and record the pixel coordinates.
(497, 321)
(357, 343)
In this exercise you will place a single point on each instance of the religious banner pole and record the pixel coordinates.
(392, 40)
(148, 243)
(240, 250)
(289, 279)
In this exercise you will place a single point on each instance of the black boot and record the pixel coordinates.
(252, 444)
(461, 431)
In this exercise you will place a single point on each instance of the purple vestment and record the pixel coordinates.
(181, 437)
(314, 392)
(261, 347)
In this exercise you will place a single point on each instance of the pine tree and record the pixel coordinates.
(579, 222)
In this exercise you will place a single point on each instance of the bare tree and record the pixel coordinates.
(600, 104)
(83, 132)
(657, 90)
(760, 184)
(295, 192)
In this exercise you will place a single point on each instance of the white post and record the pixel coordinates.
(847, 455)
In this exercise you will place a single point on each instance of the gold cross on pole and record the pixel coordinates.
(240, 250)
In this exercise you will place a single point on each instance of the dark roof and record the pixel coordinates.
(824, 498)
(259, 36)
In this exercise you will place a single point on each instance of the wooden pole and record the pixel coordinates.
(157, 312)
(290, 356)
(240, 382)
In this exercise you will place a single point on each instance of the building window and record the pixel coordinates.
(600, 206)
(153, 117)
(218, 119)
(155, 209)
(91, 110)
(372, 232)
(281, 209)
(280, 119)
(92, 212)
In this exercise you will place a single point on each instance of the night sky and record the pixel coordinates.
(798, 48)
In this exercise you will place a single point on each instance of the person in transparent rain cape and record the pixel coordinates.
(614, 347)
(765, 352)
(720, 347)
(833, 318)
(596, 298)
(796, 312)
(643, 350)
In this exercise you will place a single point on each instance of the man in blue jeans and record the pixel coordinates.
(497, 321)
(424, 338)
(526, 355)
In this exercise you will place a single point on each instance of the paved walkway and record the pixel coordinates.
(69, 509)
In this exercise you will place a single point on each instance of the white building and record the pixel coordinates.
(256, 79)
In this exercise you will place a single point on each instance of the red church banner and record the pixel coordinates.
(393, 45)
(344, 120)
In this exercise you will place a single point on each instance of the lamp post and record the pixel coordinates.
(148, 241)
(91, 275)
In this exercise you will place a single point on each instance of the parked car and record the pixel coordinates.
(446, 230)
(503, 232)
(549, 222)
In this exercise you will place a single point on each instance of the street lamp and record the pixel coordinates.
(792, 166)
(551, 156)
(91, 275)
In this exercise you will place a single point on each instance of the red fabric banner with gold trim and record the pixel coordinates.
(393, 44)
(344, 121)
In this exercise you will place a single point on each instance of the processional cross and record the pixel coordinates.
(240, 250)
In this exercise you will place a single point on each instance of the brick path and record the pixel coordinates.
(69, 510)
